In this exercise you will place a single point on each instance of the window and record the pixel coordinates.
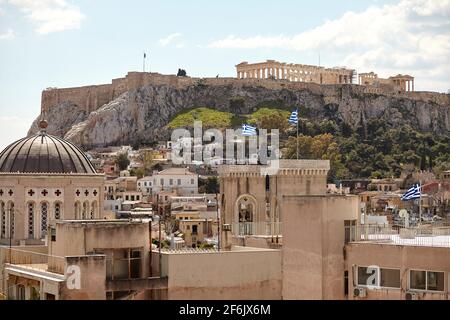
(53, 234)
(192, 181)
(2, 220)
(77, 210)
(346, 283)
(162, 181)
(11, 218)
(94, 210)
(389, 278)
(85, 210)
(179, 181)
(31, 220)
(57, 211)
(171, 181)
(44, 215)
(426, 280)
(350, 230)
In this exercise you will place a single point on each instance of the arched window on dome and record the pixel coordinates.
(94, 210)
(85, 210)
(57, 210)
(2, 220)
(30, 216)
(44, 218)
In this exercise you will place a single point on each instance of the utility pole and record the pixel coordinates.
(218, 222)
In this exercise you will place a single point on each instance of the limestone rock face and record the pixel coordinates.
(142, 114)
(61, 119)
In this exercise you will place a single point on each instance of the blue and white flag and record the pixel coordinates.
(293, 119)
(412, 193)
(248, 130)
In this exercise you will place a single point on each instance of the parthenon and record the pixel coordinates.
(272, 69)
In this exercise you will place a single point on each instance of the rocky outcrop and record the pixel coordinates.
(142, 114)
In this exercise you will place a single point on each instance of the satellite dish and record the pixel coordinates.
(403, 213)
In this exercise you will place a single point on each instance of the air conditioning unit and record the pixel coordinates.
(359, 292)
(411, 296)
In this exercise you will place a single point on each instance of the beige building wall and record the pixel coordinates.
(238, 182)
(65, 189)
(78, 239)
(92, 279)
(241, 274)
(403, 257)
(313, 245)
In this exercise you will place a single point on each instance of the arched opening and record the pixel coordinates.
(30, 215)
(2, 220)
(77, 210)
(44, 218)
(57, 210)
(245, 207)
(85, 210)
(94, 213)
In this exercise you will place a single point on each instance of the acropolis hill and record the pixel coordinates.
(140, 105)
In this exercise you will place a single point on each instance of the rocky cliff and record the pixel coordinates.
(142, 113)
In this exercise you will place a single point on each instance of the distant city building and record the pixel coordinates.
(180, 180)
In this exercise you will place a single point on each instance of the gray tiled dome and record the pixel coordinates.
(43, 153)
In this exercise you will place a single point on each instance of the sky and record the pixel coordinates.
(63, 43)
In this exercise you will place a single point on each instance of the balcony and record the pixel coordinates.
(426, 235)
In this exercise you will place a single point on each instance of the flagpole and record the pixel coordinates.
(143, 63)
(420, 203)
(297, 133)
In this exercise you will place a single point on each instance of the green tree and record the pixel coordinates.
(122, 161)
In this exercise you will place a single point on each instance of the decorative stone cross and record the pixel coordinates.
(10, 192)
(1, 192)
(78, 193)
(44, 192)
(95, 192)
(58, 193)
(31, 192)
(86, 193)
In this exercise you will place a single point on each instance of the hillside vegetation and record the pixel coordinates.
(374, 150)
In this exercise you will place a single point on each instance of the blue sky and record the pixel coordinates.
(62, 43)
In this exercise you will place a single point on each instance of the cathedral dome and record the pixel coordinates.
(44, 153)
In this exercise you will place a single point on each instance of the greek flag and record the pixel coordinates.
(248, 130)
(293, 119)
(412, 193)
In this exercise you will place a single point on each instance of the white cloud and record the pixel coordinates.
(12, 129)
(8, 34)
(170, 39)
(411, 36)
(50, 15)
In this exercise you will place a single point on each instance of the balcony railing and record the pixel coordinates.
(417, 236)
(257, 228)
